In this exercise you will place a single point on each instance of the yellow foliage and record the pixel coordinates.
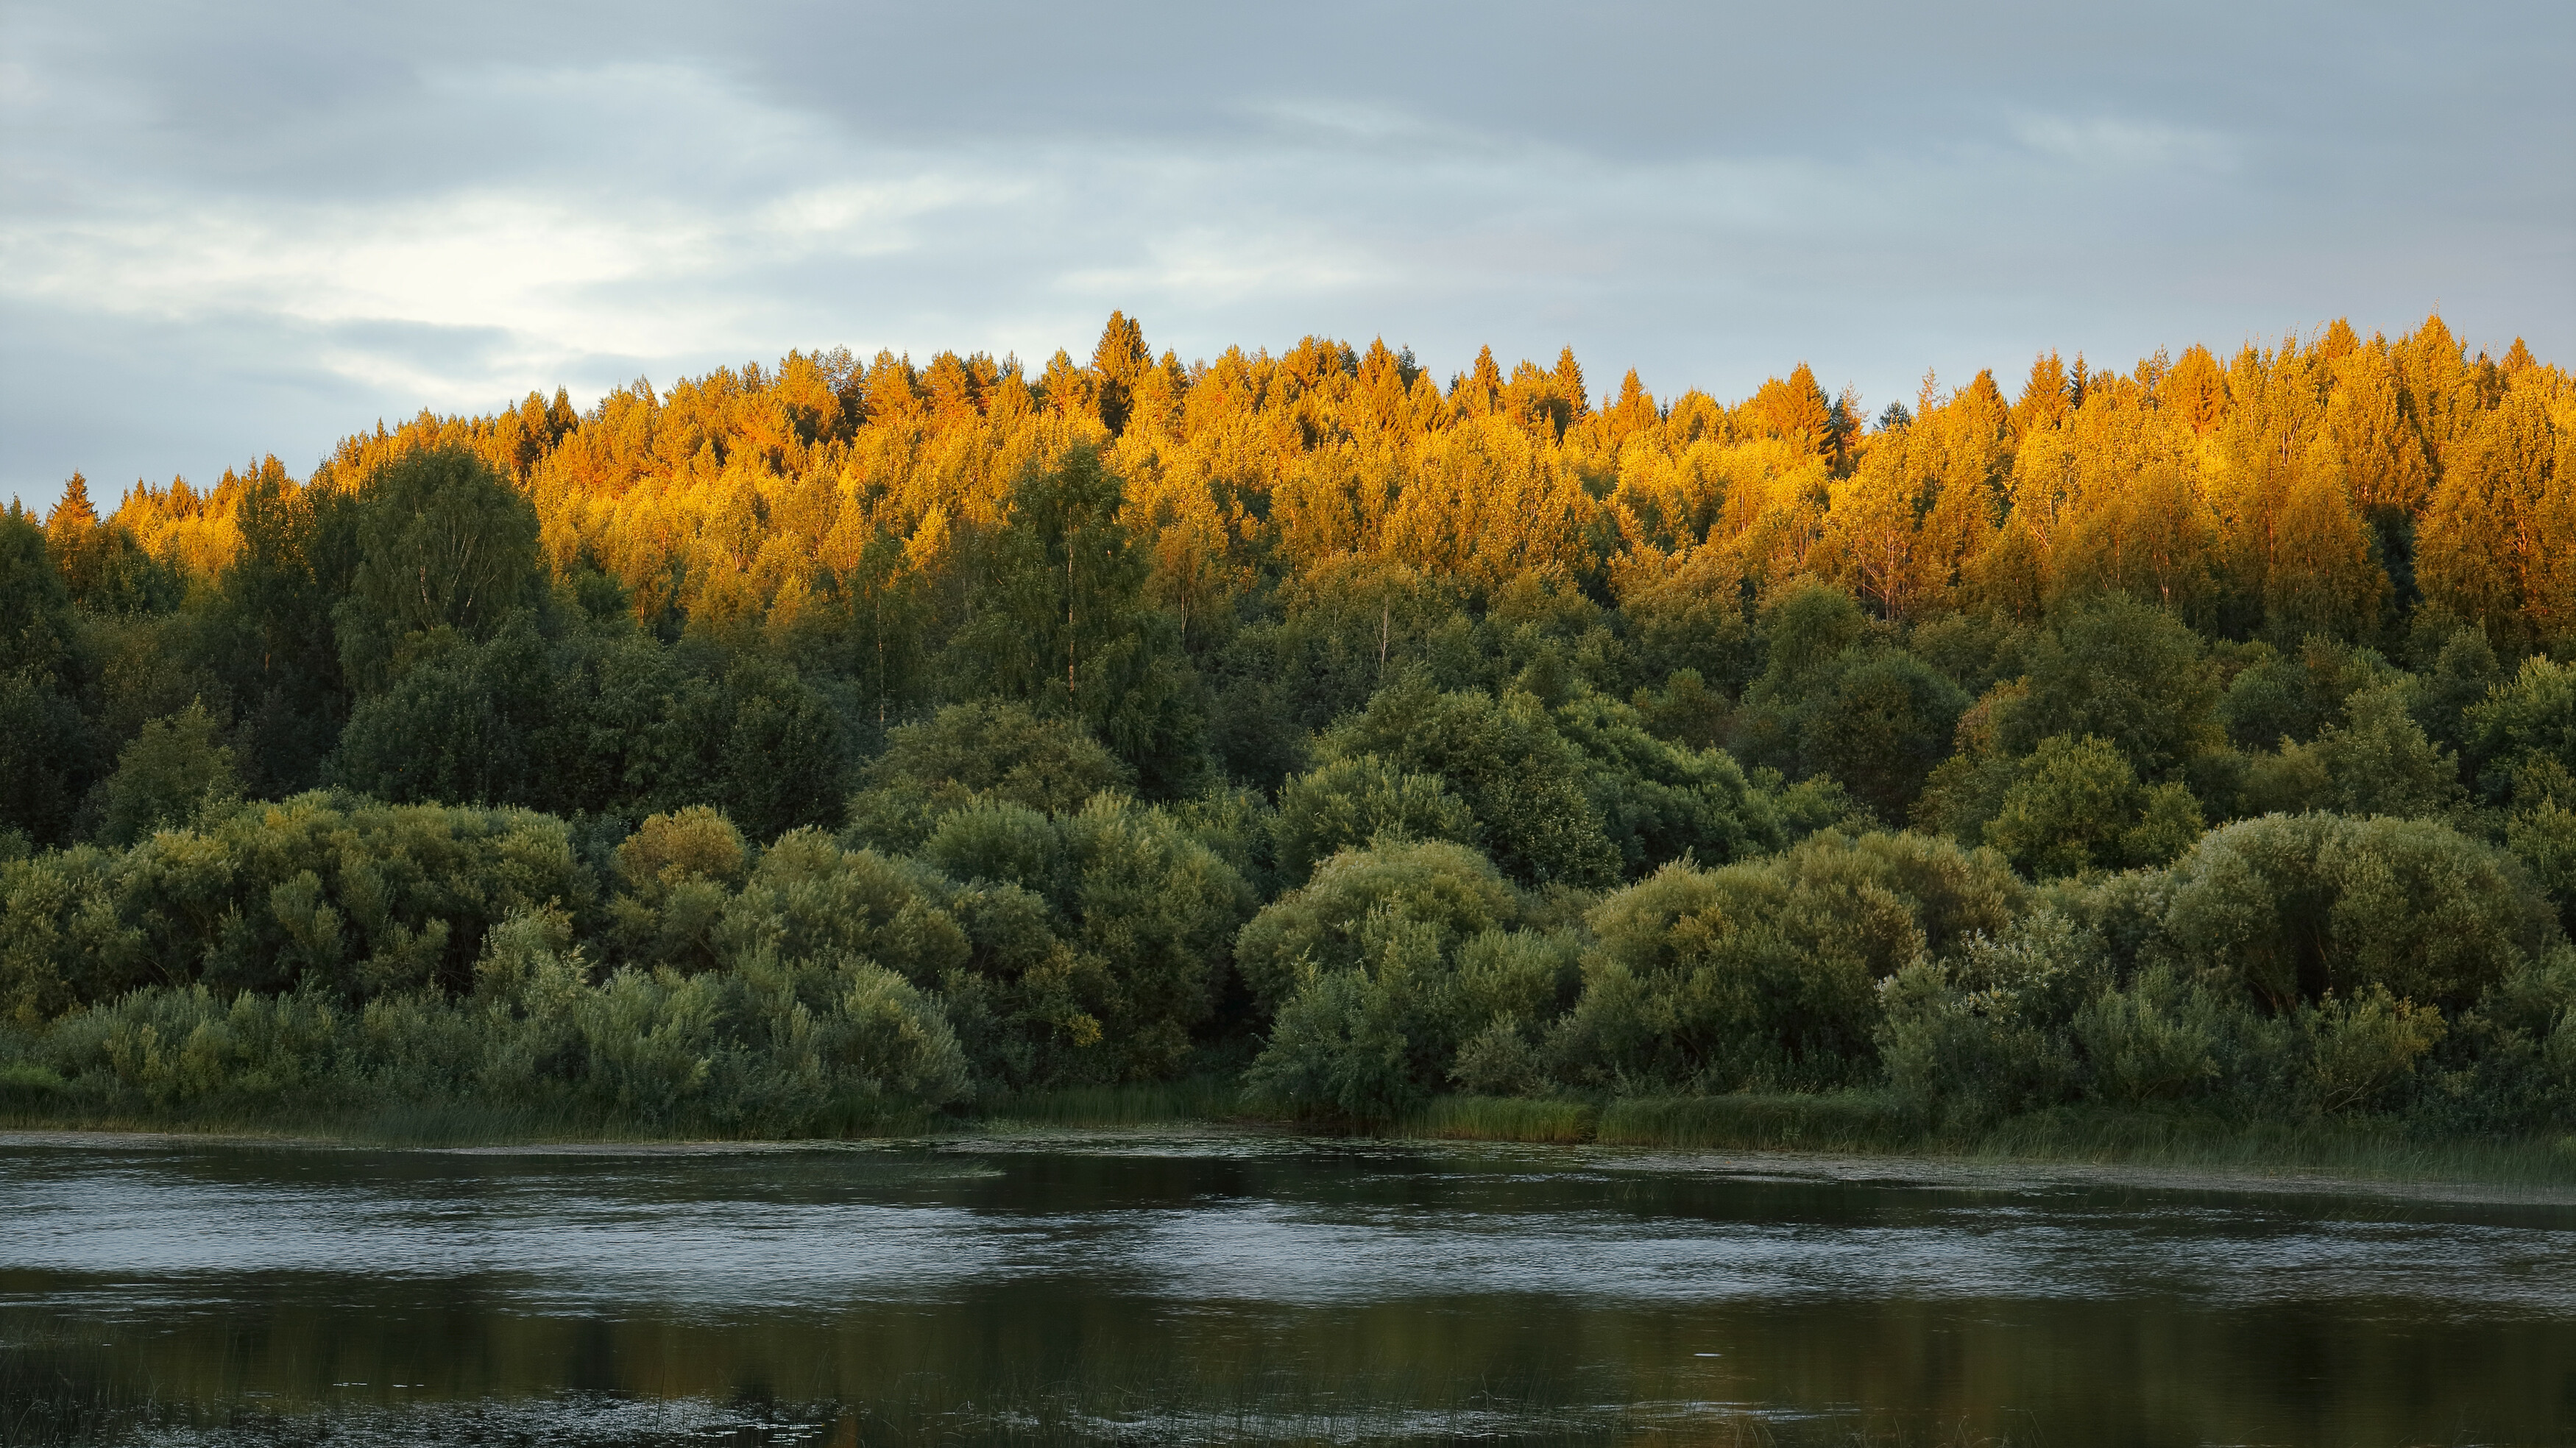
(2254, 487)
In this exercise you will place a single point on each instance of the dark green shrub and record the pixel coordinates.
(1350, 803)
(1441, 885)
(2295, 906)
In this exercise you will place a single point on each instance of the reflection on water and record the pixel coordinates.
(1192, 1288)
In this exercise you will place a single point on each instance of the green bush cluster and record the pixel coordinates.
(2288, 966)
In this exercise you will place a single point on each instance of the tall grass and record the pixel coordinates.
(1502, 1118)
(2187, 1141)
(1136, 1103)
(1831, 1121)
(433, 1120)
(1847, 1122)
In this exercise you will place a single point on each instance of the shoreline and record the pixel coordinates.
(2132, 1150)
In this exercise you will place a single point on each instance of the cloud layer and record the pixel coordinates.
(223, 234)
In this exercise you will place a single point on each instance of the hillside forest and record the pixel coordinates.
(812, 746)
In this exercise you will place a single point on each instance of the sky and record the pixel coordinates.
(227, 231)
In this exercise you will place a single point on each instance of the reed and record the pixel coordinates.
(1134, 1103)
(1502, 1118)
(1846, 1122)
(2187, 1141)
(1783, 1121)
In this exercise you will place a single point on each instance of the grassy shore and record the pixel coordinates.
(1863, 1123)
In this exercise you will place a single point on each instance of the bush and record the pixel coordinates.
(2363, 1046)
(1506, 759)
(171, 771)
(1367, 1041)
(2527, 721)
(2158, 1039)
(1658, 801)
(1765, 975)
(322, 892)
(678, 871)
(1146, 915)
(1982, 1036)
(989, 750)
(1439, 884)
(771, 1046)
(2075, 806)
(1415, 1011)
(2294, 907)
(1354, 802)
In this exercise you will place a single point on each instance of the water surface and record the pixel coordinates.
(1220, 1287)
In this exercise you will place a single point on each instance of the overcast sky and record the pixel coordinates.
(250, 228)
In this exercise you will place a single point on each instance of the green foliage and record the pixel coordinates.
(1836, 701)
(1510, 986)
(2295, 907)
(2528, 721)
(1064, 626)
(442, 542)
(2460, 671)
(465, 722)
(1363, 1041)
(2543, 837)
(2119, 670)
(1805, 629)
(271, 633)
(676, 874)
(769, 1048)
(1446, 888)
(1692, 620)
(171, 771)
(323, 892)
(1343, 630)
(49, 763)
(1765, 975)
(2363, 1046)
(780, 763)
(1877, 720)
(1976, 651)
(1506, 758)
(51, 756)
(1354, 802)
(2376, 761)
(2075, 806)
(63, 939)
(1144, 915)
(599, 719)
(989, 750)
(2158, 1041)
(1660, 801)
(1411, 1009)
(2295, 696)
(36, 623)
(1981, 1035)
(1240, 827)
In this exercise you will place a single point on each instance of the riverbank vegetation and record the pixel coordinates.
(845, 748)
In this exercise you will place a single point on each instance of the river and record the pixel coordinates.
(1236, 1286)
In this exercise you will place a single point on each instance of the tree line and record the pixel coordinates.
(819, 741)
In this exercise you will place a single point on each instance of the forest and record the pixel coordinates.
(805, 748)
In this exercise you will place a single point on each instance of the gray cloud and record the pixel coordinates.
(227, 232)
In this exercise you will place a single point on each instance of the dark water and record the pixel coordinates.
(1226, 1288)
